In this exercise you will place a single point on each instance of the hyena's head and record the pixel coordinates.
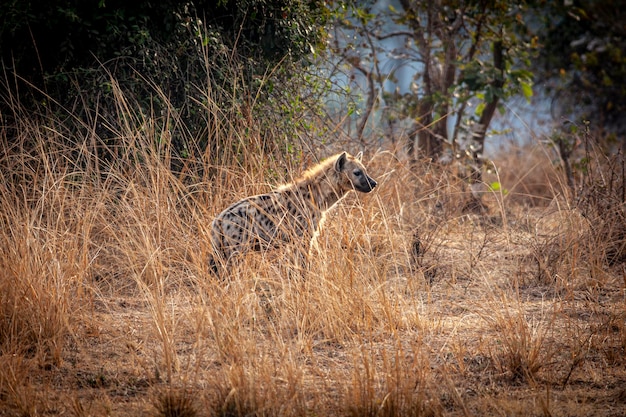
(352, 173)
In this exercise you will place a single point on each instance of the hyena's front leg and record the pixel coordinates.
(301, 253)
(298, 262)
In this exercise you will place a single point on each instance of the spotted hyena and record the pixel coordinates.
(290, 214)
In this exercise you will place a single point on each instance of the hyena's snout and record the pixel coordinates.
(366, 184)
(371, 183)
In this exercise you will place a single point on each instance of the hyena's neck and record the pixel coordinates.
(319, 192)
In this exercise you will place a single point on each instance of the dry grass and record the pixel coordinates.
(412, 307)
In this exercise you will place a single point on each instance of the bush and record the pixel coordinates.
(75, 59)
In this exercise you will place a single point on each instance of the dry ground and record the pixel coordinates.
(411, 306)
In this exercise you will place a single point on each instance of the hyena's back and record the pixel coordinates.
(262, 222)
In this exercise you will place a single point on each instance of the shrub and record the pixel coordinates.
(75, 58)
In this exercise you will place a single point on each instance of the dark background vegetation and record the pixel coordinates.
(166, 55)
(583, 62)
(70, 51)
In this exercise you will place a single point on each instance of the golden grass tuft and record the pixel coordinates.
(175, 404)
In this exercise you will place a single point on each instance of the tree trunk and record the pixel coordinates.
(480, 131)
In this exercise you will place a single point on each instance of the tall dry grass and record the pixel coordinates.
(409, 307)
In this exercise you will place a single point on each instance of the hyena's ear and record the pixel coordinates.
(359, 156)
(340, 163)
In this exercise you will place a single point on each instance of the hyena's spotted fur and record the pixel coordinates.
(291, 213)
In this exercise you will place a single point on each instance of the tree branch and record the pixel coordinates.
(394, 34)
(488, 112)
(371, 98)
(498, 83)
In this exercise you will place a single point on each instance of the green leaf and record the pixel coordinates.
(497, 188)
(527, 90)
(480, 108)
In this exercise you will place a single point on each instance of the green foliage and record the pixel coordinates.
(62, 35)
(111, 63)
(465, 57)
(582, 57)
(497, 187)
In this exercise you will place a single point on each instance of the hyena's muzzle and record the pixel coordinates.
(365, 183)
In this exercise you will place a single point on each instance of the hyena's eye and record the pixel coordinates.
(357, 173)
